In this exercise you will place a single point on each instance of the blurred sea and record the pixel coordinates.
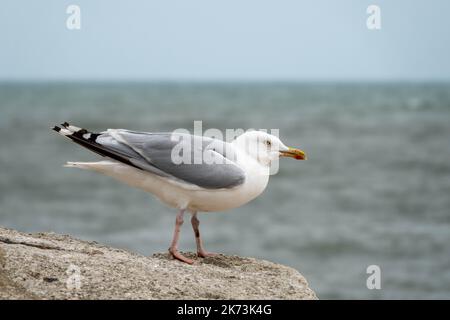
(375, 190)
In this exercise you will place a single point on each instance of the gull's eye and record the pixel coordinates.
(268, 143)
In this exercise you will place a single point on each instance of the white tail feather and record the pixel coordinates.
(90, 165)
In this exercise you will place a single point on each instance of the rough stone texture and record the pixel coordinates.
(38, 266)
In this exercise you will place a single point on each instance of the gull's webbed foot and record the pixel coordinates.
(177, 255)
(204, 254)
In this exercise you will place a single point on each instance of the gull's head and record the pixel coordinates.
(265, 147)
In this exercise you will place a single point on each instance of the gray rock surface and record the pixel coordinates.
(52, 266)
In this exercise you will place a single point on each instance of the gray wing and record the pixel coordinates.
(154, 152)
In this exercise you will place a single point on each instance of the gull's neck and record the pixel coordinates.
(249, 161)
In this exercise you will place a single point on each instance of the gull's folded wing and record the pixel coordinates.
(209, 164)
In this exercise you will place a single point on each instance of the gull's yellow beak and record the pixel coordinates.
(294, 153)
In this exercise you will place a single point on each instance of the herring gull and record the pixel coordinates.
(218, 176)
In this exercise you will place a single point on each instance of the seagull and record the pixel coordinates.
(187, 172)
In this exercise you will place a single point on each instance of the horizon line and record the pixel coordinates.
(220, 81)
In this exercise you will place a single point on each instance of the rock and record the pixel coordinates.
(52, 266)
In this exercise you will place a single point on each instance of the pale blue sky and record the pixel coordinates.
(225, 40)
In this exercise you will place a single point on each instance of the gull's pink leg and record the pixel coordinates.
(176, 235)
(200, 250)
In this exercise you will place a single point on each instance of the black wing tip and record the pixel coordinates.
(65, 124)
